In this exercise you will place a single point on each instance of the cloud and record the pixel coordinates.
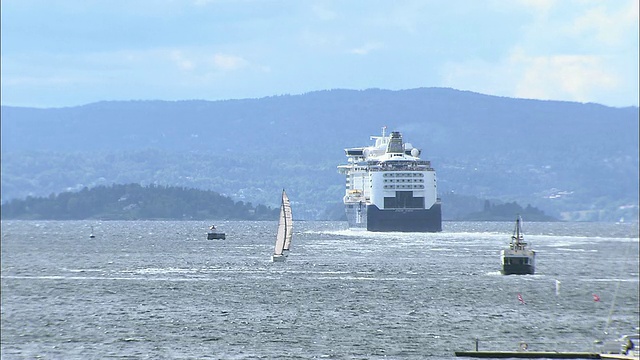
(191, 60)
(323, 13)
(555, 77)
(321, 41)
(203, 2)
(201, 59)
(571, 77)
(366, 48)
(122, 65)
(540, 7)
(184, 59)
(229, 62)
(579, 50)
(44, 81)
(179, 59)
(609, 27)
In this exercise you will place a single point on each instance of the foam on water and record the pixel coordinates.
(170, 293)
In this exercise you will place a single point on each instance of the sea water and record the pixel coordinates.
(161, 290)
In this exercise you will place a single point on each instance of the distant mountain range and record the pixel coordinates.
(574, 161)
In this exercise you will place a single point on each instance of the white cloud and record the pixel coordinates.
(366, 48)
(42, 81)
(229, 62)
(203, 2)
(539, 7)
(184, 59)
(579, 78)
(179, 59)
(570, 77)
(120, 66)
(323, 13)
(582, 50)
(194, 59)
(321, 41)
(607, 26)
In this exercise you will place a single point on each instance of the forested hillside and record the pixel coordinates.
(573, 161)
(135, 202)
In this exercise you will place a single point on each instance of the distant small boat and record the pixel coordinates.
(285, 230)
(517, 259)
(214, 234)
(91, 236)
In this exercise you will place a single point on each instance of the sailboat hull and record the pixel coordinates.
(278, 258)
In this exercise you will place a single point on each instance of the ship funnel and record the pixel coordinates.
(395, 143)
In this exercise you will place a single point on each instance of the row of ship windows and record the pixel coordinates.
(397, 181)
(395, 175)
(403, 174)
(516, 261)
(403, 180)
(404, 186)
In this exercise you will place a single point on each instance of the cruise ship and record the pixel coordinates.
(389, 188)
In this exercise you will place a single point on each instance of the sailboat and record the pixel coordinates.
(285, 230)
(517, 259)
(91, 235)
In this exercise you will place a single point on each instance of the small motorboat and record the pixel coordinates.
(214, 234)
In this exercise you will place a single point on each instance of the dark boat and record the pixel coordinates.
(517, 259)
(214, 234)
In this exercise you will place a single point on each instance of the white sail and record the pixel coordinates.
(288, 220)
(285, 225)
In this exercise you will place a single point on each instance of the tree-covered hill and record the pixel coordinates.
(575, 161)
(153, 202)
(135, 202)
(508, 211)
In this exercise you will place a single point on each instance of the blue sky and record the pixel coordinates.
(74, 52)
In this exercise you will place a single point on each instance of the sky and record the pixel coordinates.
(74, 52)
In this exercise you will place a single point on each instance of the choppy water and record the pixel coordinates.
(160, 290)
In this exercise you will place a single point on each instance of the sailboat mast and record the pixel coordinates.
(284, 218)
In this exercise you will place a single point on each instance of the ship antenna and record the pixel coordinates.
(384, 128)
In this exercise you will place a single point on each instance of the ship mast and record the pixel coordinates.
(517, 236)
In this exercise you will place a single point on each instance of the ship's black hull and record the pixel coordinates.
(518, 269)
(371, 218)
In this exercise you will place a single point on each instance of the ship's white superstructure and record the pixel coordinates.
(389, 188)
